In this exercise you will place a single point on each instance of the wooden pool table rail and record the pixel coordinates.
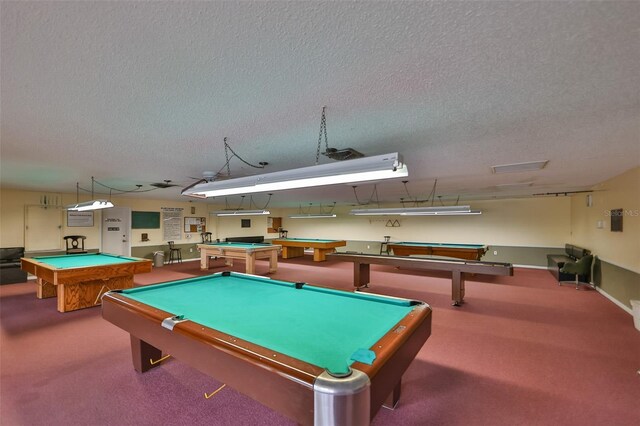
(458, 269)
(459, 252)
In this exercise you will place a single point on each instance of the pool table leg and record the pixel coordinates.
(250, 263)
(289, 252)
(457, 287)
(320, 254)
(361, 275)
(273, 261)
(45, 289)
(142, 355)
(204, 260)
(392, 400)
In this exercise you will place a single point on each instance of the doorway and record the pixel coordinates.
(116, 231)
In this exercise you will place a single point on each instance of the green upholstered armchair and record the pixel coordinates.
(580, 268)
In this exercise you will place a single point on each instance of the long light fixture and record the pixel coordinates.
(386, 166)
(241, 212)
(88, 205)
(311, 215)
(418, 211)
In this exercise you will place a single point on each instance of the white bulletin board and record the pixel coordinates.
(195, 224)
(79, 219)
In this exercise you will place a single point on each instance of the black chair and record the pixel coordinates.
(75, 244)
(581, 269)
(175, 253)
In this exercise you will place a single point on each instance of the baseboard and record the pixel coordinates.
(616, 302)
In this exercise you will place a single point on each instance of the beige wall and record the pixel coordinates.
(618, 248)
(532, 222)
(538, 222)
(14, 202)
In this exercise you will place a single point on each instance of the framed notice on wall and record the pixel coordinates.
(79, 219)
(195, 224)
(616, 220)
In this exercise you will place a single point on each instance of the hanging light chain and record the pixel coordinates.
(227, 148)
(323, 130)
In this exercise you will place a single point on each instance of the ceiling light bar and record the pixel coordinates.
(514, 185)
(312, 215)
(418, 211)
(241, 212)
(520, 167)
(90, 205)
(386, 166)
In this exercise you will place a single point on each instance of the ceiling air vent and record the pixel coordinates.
(520, 167)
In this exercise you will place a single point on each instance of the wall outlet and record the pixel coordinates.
(495, 252)
(368, 246)
(190, 250)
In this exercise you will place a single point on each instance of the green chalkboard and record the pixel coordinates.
(145, 220)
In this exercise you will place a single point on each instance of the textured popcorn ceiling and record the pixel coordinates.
(138, 92)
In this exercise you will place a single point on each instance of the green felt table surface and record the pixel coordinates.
(311, 240)
(238, 245)
(447, 245)
(320, 326)
(82, 260)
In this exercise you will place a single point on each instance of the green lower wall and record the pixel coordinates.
(189, 251)
(621, 284)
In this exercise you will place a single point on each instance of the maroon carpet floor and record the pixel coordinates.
(521, 351)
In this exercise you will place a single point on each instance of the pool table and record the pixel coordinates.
(80, 279)
(460, 251)
(458, 268)
(294, 247)
(317, 355)
(247, 251)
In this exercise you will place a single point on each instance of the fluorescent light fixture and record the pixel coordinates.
(241, 212)
(418, 211)
(514, 185)
(386, 166)
(520, 167)
(311, 215)
(90, 205)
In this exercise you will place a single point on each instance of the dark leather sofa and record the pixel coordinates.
(555, 262)
(10, 271)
